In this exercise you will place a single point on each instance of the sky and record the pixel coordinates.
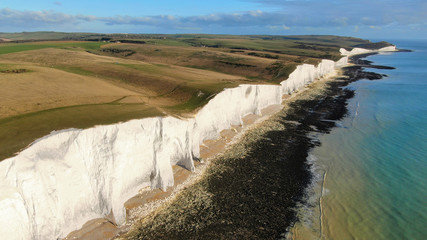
(376, 19)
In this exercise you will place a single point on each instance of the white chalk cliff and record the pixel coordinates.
(69, 177)
(356, 51)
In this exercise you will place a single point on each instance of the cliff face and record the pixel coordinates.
(71, 176)
(305, 74)
(356, 51)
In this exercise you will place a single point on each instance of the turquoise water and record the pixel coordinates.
(373, 168)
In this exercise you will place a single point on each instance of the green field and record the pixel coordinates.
(18, 132)
(20, 47)
(44, 35)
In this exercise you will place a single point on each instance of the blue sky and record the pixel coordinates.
(383, 19)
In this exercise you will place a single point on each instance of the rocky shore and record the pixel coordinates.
(251, 191)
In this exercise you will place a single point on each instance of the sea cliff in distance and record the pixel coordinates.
(121, 77)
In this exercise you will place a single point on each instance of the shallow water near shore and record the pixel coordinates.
(371, 170)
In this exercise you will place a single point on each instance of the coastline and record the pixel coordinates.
(298, 120)
(308, 227)
(91, 173)
(160, 182)
(150, 200)
(265, 186)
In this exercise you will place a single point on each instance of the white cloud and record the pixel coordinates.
(314, 15)
(356, 28)
(28, 18)
(286, 27)
(341, 21)
(255, 13)
(374, 27)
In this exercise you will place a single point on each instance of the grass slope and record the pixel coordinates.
(19, 131)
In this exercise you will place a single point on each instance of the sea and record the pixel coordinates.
(371, 170)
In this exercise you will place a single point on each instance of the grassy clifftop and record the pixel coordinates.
(52, 80)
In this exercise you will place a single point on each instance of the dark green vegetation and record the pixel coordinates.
(20, 47)
(20, 70)
(373, 45)
(124, 52)
(44, 35)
